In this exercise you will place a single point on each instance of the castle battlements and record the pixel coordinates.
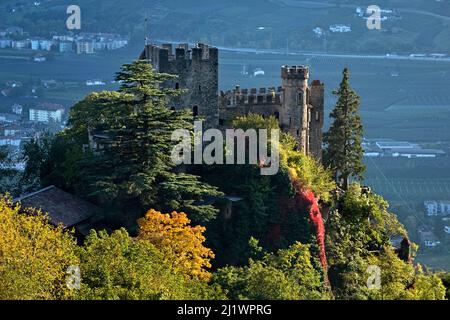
(169, 53)
(298, 105)
(295, 72)
(197, 71)
(261, 96)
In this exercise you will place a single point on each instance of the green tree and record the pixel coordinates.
(132, 171)
(51, 160)
(359, 233)
(118, 267)
(344, 152)
(445, 277)
(359, 224)
(402, 281)
(287, 275)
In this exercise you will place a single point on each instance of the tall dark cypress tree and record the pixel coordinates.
(344, 152)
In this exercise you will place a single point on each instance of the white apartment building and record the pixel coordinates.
(47, 112)
(437, 208)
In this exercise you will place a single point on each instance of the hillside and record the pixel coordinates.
(418, 27)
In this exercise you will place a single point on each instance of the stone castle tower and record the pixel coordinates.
(197, 70)
(302, 108)
(298, 105)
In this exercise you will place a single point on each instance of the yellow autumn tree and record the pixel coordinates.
(34, 256)
(181, 243)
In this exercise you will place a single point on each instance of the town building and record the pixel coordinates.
(340, 28)
(85, 47)
(20, 44)
(5, 43)
(46, 112)
(428, 238)
(17, 108)
(11, 140)
(437, 208)
(9, 118)
(65, 46)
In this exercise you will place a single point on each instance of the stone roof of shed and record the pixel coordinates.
(61, 207)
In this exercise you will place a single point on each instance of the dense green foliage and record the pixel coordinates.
(287, 275)
(266, 211)
(118, 267)
(359, 235)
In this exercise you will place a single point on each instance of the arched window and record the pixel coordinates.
(195, 111)
(177, 85)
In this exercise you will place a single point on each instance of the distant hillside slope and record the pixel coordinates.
(269, 24)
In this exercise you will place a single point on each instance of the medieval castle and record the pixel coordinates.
(298, 105)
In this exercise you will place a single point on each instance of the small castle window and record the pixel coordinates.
(277, 115)
(195, 111)
(260, 99)
(199, 88)
(221, 122)
(317, 116)
(298, 132)
(300, 97)
(177, 85)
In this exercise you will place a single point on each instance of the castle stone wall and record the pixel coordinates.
(197, 71)
(298, 105)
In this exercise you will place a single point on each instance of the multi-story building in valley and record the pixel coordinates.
(47, 112)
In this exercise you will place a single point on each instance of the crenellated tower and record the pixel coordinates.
(294, 107)
(197, 71)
